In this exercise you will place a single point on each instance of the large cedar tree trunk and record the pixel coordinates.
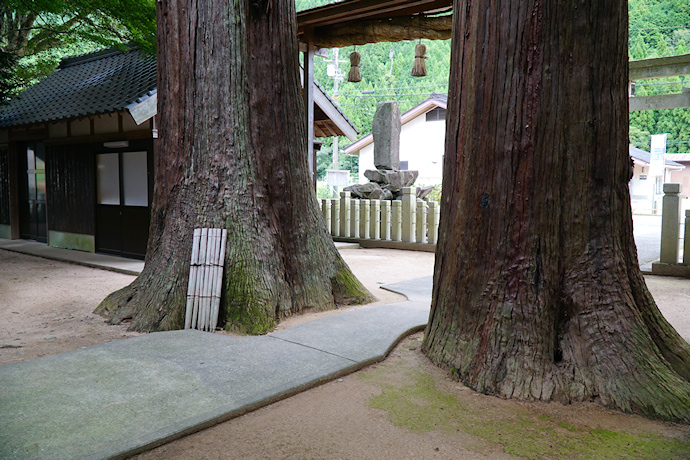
(537, 290)
(231, 154)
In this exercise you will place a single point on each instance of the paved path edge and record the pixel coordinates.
(208, 420)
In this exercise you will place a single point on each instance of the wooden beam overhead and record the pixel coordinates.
(383, 30)
(357, 10)
(670, 66)
(661, 101)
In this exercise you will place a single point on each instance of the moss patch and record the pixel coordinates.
(347, 290)
(420, 406)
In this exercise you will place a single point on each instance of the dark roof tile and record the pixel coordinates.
(96, 83)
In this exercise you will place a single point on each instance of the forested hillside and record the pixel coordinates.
(657, 28)
(660, 28)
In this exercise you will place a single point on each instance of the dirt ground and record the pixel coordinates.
(401, 408)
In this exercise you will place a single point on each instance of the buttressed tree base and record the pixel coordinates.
(231, 154)
(537, 289)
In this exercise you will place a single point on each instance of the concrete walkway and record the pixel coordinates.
(123, 397)
(89, 259)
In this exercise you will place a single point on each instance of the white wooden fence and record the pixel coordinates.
(408, 220)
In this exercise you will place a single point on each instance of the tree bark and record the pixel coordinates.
(232, 154)
(537, 289)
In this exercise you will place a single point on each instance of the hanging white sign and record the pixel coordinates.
(657, 150)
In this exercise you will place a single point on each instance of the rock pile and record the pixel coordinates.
(387, 185)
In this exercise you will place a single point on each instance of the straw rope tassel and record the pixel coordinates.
(419, 67)
(354, 75)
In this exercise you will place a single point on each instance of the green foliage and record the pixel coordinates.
(70, 27)
(38, 33)
(435, 194)
(324, 159)
(385, 79)
(307, 4)
(659, 28)
(7, 75)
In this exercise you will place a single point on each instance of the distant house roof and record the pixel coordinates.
(96, 83)
(643, 156)
(434, 101)
(112, 81)
(677, 156)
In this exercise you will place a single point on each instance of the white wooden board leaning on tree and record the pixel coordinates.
(205, 278)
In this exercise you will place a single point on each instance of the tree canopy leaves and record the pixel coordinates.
(38, 33)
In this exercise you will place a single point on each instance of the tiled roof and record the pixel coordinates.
(92, 84)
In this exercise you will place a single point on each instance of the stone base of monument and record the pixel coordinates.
(386, 184)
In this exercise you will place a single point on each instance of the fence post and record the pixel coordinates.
(345, 214)
(409, 201)
(326, 211)
(354, 218)
(670, 223)
(421, 221)
(686, 239)
(375, 219)
(364, 216)
(385, 220)
(396, 227)
(434, 213)
(335, 217)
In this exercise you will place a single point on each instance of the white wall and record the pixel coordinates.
(421, 145)
(644, 196)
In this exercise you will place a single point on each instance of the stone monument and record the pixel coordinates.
(387, 180)
(385, 130)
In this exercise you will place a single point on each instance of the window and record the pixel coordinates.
(108, 178)
(438, 114)
(123, 178)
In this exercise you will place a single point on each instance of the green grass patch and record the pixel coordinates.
(421, 407)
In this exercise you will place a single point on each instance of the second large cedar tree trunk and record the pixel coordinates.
(232, 154)
(537, 290)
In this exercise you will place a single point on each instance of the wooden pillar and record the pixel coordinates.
(13, 153)
(309, 101)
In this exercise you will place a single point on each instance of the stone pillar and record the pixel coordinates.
(375, 220)
(335, 217)
(354, 218)
(434, 214)
(386, 220)
(364, 219)
(385, 129)
(345, 214)
(421, 221)
(686, 241)
(326, 211)
(409, 204)
(670, 223)
(396, 221)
